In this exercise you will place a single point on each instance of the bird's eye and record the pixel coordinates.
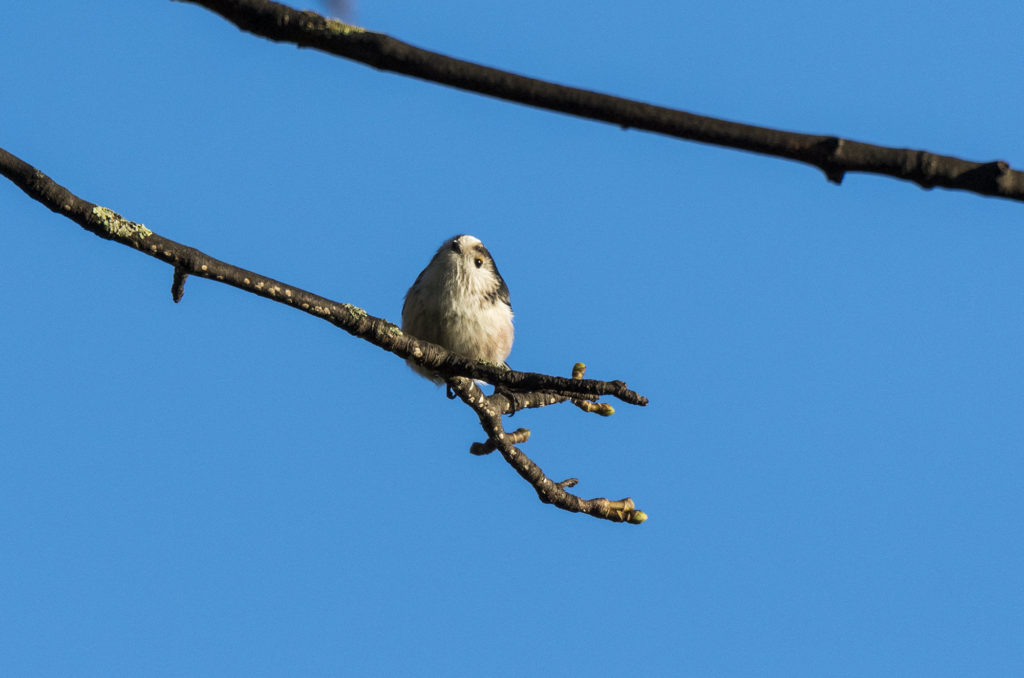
(479, 262)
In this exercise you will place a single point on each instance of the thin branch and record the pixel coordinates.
(189, 261)
(510, 402)
(833, 155)
(517, 437)
(549, 491)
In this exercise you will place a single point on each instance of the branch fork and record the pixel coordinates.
(490, 410)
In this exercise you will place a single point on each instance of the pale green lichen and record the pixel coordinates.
(336, 26)
(355, 310)
(118, 227)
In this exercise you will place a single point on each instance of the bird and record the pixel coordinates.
(461, 302)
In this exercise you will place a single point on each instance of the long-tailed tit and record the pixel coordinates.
(461, 302)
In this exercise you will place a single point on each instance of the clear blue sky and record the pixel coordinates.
(833, 456)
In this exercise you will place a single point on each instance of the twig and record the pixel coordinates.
(549, 491)
(833, 155)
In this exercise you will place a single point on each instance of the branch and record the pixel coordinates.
(189, 261)
(550, 492)
(833, 155)
(511, 402)
(520, 389)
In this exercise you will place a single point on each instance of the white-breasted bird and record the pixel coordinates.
(460, 302)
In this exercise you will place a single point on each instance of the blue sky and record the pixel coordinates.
(832, 457)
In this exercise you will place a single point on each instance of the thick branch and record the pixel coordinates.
(834, 156)
(550, 492)
(189, 261)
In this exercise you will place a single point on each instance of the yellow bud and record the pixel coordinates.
(638, 517)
